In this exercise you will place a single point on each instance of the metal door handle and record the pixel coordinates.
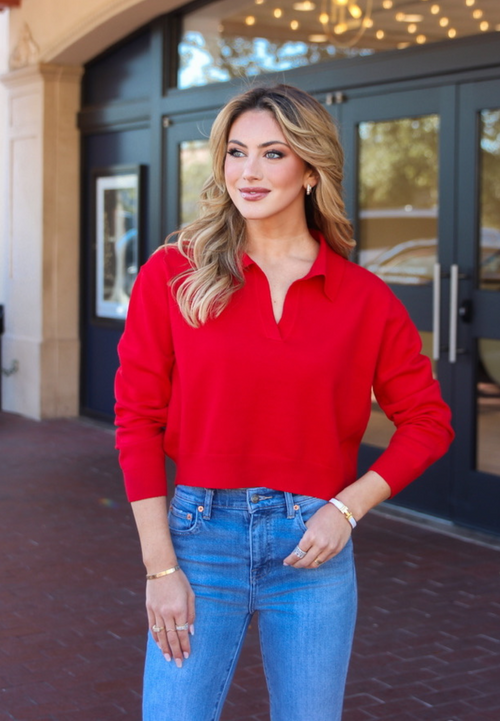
(436, 308)
(453, 313)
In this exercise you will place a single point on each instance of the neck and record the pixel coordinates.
(279, 241)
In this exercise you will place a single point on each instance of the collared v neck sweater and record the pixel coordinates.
(244, 401)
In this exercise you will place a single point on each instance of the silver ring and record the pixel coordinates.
(184, 627)
(299, 552)
(157, 629)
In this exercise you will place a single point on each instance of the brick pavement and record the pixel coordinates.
(71, 600)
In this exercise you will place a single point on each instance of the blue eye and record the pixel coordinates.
(235, 152)
(274, 154)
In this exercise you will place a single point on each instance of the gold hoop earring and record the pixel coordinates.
(308, 189)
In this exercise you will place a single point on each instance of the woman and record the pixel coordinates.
(249, 355)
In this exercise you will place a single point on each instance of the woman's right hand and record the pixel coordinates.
(170, 603)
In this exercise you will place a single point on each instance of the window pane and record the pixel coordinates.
(242, 38)
(195, 167)
(488, 406)
(489, 237)
(398, 198)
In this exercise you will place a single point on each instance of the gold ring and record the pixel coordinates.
(157, 629)
(318, 562)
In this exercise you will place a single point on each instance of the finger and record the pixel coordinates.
(159, 633)
(183, 636)
(174, 643)
(298, 554)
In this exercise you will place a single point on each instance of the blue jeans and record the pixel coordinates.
(231, 545)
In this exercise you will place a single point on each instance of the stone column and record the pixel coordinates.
(41, 242)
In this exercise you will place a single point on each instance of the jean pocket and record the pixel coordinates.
(184, 517)
(308, 509)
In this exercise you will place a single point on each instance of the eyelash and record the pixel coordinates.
(237, 153)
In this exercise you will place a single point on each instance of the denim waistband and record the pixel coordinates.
(251, 499)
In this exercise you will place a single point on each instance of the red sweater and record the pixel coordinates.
(244, 402)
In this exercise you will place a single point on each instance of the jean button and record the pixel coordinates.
(254, 498)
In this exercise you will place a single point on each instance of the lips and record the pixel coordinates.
(253, 193)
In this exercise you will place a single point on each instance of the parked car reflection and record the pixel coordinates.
(412, 262)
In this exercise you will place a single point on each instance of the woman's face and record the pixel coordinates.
(265, 178)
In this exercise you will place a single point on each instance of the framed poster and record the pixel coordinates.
(117, 238)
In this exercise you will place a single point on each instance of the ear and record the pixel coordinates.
(311, 177)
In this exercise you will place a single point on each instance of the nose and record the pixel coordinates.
(252, 169)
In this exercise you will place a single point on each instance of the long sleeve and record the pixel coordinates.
(143, 383)
(410, 397)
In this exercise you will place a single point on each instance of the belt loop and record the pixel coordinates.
(290, 510)
(207, 510)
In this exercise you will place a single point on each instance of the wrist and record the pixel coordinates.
(154, 564)
(345, 511)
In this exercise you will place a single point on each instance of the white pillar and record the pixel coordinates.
(41, 243)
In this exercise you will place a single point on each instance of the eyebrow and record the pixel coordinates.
(262, 145)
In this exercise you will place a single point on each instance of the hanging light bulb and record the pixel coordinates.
(349, 18)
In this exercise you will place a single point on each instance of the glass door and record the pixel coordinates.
(476, 298)
(399, 188)
(186, 167)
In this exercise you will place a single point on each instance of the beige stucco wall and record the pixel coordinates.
(43, 45)
(72, 32)
(4, 44)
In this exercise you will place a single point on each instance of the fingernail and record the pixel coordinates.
(167, 657)
(186, 655)
(191, 630)
(178, 662)
(285, 563)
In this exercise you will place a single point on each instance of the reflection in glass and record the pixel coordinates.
(380, 428)
(117, 243)
(230, 39)
(488, 406)
(489, 238)
(195, 168)
(398, 198)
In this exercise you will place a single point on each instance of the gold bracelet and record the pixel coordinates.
(152, 576)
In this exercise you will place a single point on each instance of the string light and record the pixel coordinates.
(380, 34)
(277, 12)
(484, 26)
(421, 39)
(444, 22)
(452, 33)
(387, 4)
(412, 28)
(355, 11)
(294, 25)
(477, 14)
(435, 9)
(250, 20)
(304, 6)
(470, 3)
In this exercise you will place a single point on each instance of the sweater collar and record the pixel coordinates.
(328, 263)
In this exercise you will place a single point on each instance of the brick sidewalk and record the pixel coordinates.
(72, 624)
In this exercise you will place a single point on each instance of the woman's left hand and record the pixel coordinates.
(327, 534)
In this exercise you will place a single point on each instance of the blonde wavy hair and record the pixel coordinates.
(214, 243)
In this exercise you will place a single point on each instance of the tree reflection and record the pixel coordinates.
(205, 59)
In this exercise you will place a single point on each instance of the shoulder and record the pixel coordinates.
(357, 282)
(166, 261)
